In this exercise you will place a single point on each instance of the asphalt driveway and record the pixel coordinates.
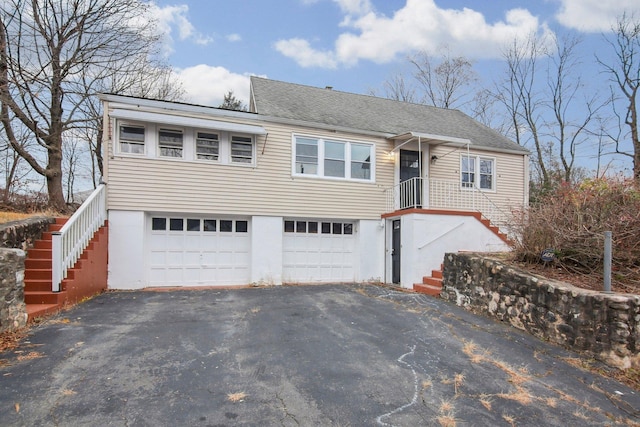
(295, 356)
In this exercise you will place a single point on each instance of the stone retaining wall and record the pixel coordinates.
(21, 234)
(13, 313)
(603, 326)
(17, 236)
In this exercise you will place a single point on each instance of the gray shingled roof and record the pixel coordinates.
(369, 113)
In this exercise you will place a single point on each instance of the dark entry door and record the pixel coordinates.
(395, 252)
(411, 195)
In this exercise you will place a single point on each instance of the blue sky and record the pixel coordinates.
(355, 45)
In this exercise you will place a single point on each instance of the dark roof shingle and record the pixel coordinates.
(369, 113)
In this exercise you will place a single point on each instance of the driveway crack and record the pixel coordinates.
(286, 411)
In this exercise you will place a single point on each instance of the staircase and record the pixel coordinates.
(431, 285)
(38, 297)
(87, 277)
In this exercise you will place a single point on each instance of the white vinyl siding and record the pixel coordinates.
(267, 189)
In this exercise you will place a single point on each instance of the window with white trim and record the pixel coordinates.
(170, 142)
(131, 139)
(241, 149)
(306, 156)
(332, 158)
(477, 172)
(207, 146)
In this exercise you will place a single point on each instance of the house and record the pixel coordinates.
(311, 185)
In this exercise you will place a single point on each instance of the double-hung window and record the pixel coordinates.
(241, 149)
(306, 156)
(332, 158)
(131, 139)
(477, 172)
(170, 142)
(207, 146)
(360, 161)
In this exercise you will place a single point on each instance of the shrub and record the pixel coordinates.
(572, 220)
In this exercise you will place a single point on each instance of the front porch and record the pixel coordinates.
(445, 195)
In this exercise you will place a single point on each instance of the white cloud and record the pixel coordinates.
(207, 85)
(174, 20)
(419, 25)
(594, 15)
(304, 54)
(234, 37)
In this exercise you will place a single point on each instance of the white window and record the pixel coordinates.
(332, 159)
(360, 161)
(306, 156)
(241, 149)
(170, 142)
(207, 146)
(131, 139)
(477, 172)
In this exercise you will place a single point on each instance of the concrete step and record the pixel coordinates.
(44, 297)
(39, 254)
(37, 285)
(39, 310)
(37, 273)
(42, 244)
(37, 264)
(427, 289)
(433, 281)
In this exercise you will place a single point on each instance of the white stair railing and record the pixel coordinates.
(446, 194)
(72, 239)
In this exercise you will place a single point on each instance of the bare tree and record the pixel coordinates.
(54, 55)
(446, 81)
(397, 88)
(521, 98)
(144, 78)
(624, 72)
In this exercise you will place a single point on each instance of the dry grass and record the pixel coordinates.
(457, 382)
(68, 392)
(630, 377)
(29, 356)
(510, 419)
(446, 406)
(426, 384)
(447, 420)
(486, 401)
(10, 340)
(236, 397)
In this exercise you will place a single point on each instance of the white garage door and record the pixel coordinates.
(192, 251)
(318, 251)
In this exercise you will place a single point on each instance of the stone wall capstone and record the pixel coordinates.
(603, 326)
(13, 313)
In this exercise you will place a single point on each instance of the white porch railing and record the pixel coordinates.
(444, 194)
(69, 243)
(407, 194)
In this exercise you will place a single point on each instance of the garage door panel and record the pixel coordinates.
(309, 255)
(198, 255)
